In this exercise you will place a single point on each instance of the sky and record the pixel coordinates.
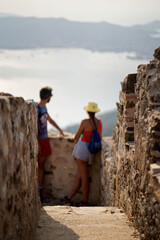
(122, 12)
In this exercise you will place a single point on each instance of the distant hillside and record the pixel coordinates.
(109, 120)
(29, 32)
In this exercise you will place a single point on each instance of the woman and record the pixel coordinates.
(82, 154)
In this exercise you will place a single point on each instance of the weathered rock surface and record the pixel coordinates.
(136, 148)
(19, 199)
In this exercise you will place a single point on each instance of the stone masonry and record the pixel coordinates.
(108, 173)
(19, 199)
(136, 149)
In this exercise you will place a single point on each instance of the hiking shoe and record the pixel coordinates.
(66, 201)
(82, 204)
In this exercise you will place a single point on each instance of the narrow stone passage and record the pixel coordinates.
(87, 223)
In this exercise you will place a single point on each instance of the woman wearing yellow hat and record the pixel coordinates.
(82, 154)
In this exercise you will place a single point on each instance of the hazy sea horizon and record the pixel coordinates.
(76, 76)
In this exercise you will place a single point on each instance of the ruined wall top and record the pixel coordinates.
(136, 148)
(19, 199)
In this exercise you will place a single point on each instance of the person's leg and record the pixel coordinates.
(76, 186)
(41, 161)
(83, 167)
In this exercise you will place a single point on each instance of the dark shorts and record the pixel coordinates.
(45, 149)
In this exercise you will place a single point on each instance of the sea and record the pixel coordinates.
(76, 76)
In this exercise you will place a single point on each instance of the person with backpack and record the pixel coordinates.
(88, 143)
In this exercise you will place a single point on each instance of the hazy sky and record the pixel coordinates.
(123, 12)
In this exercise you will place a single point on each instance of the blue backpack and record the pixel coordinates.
(95, 143)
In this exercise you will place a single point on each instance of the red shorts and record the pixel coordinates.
(44, 146)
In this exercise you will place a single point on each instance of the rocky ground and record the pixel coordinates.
(87, 223)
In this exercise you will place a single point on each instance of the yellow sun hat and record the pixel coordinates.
(92, 107)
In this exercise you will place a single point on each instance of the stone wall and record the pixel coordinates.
(60, 172)
(136, 149)
(108, 173)
(19, 199)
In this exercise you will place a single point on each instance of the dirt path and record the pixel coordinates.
(87, 223)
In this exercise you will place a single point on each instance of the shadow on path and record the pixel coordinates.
(50, 229)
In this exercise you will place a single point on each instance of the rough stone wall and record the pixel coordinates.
(124, 143)
(60, 172)
(108, 173)
(19, 199)
(136, 148)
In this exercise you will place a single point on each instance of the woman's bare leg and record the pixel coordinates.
(76, 186)
(83, 167)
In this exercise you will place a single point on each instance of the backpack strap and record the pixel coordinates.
(93, 124)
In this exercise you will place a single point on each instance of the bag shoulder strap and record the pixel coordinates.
(93, 124)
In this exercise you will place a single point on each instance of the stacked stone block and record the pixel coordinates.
(136, 148)
(147, 147)
(128, 101)
(19, 199)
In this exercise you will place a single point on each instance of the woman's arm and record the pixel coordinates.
(79, 131)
